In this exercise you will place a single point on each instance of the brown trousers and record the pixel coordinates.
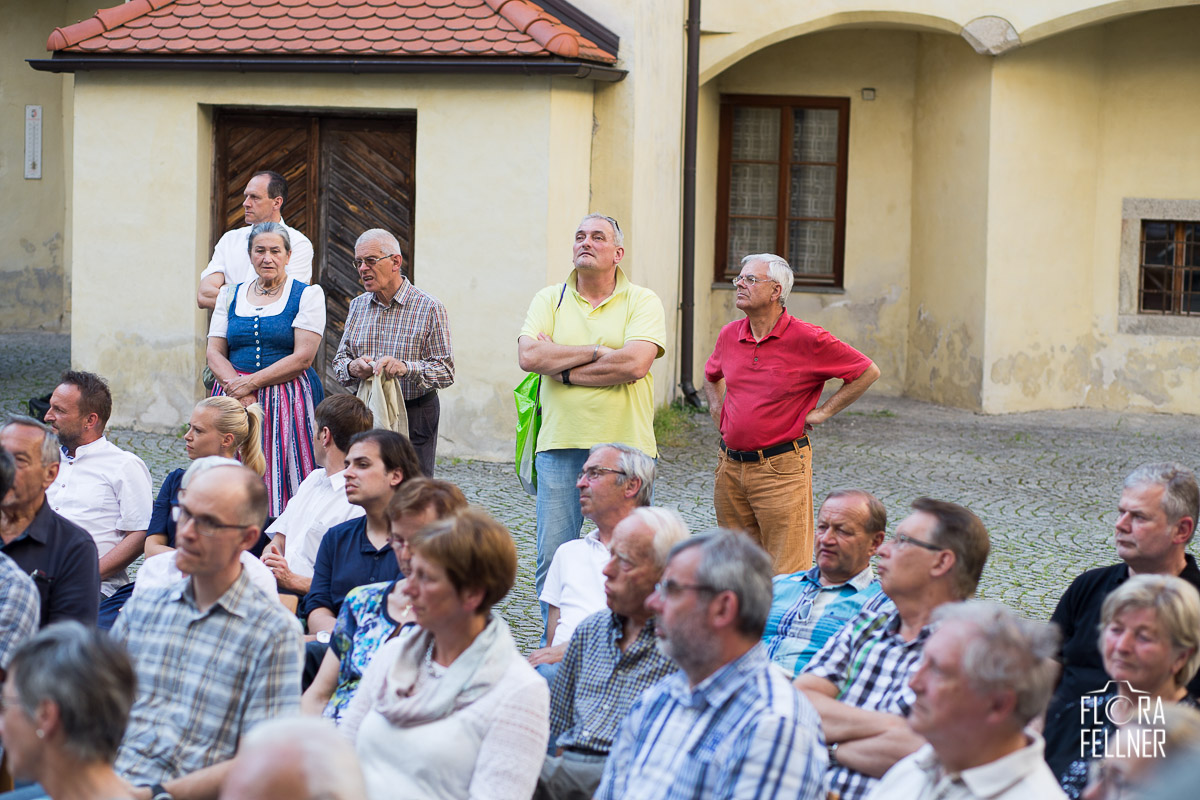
(770, 499)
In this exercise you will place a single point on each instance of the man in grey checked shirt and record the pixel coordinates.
(20, 603)
(612, 657)
(728, 724)
(394, 330)
(859, 681)
(214, 656)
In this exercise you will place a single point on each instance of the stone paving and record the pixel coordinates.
(1045, 483)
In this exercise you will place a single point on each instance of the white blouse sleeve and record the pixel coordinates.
(514, 746)
(219, 326)
(311, 316)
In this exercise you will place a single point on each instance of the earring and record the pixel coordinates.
(41, 734)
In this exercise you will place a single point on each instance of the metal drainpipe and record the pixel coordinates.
(688, 289)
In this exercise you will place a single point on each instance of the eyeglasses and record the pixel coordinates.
(205, 526)
(901, 539)
(670, 588)
(397, 543)
(593, 473)
(370, 261)
(750, 280)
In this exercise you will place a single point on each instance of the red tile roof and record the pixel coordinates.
(363, 28)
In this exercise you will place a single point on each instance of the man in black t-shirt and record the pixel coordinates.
(1156, 518)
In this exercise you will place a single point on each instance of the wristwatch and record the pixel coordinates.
(324, 636)
(566, 376)
(832, 750)
(158, 792)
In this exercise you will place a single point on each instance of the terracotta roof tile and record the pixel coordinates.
(378, 28)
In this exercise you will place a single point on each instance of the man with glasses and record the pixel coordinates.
(808, 607)
(614, 481)
(859, 681)
(763, 382)
(727, 724)
(396, 331)
(265, 195)
(594, 339)
(214, 655)
(612, 658)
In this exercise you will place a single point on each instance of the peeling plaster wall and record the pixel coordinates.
(1041, 213)
(486, 206)
(950, 226)
(872, 313)
(1083, 121)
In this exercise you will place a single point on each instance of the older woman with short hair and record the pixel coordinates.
(450, 709)
(262, 341)
(1150, 643)
(66, 703)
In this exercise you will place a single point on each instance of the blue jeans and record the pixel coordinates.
(559, 519)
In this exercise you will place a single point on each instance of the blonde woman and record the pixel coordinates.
(219, 426)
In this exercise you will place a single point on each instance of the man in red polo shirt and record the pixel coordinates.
(763, 382)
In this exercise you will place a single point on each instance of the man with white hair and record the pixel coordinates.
(763, 382)
(984, 675)
(396, 331)
(295, 758)
(612, 658)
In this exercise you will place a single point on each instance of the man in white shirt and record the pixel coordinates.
(320, 502)
(100, 487)
(265, 195)
(984, 675)
(616, 479)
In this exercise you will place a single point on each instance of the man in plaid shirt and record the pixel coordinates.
(394, 330)
(858, 681)
(214, 655)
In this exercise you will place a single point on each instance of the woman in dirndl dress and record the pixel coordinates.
(262, 340)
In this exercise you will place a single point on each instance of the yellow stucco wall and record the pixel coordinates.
(501, 174)
(872, 313)
(1083, 121)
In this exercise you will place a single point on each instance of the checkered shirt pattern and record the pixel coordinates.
(413, 328)
(742, 732)
(204, 678)
(597, 683)
(870, 664)
(20, 608)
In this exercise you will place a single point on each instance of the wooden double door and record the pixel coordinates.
(345, 175)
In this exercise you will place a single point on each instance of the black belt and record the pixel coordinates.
(766, 452)
(586, 751)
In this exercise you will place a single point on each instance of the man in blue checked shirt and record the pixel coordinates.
(727, 725)
(808, 607)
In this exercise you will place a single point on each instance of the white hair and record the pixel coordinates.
(779, 271)
(385, 239)
(324, 757)
(668, 526)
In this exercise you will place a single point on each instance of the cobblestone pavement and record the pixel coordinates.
(1045, 483)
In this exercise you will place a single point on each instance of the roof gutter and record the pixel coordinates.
(545, 67)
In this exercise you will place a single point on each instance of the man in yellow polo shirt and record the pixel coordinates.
(594, 340)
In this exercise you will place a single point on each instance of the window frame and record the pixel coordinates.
(1177, 271)
(722, 270)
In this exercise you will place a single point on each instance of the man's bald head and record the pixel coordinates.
(243, 491)
(295, 758)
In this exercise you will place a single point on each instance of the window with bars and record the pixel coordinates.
(781, 184)
(1169, 271)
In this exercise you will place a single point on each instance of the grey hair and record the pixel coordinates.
(669, 530)
(1006, 652)
(385, 239)
(49, 450)
(206, 463)
(1176, 606)
(269, 227)
(876, 511)
(779, 270)
(618, 236)
(324, 757)
(1181, 495)
(88, 675)
(730, 561)
(635, 464)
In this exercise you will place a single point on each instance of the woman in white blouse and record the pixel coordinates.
(262, 340)
(450, 709)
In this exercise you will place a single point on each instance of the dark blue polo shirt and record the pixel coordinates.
(160, 517)
(346, 559)
(62, 559)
